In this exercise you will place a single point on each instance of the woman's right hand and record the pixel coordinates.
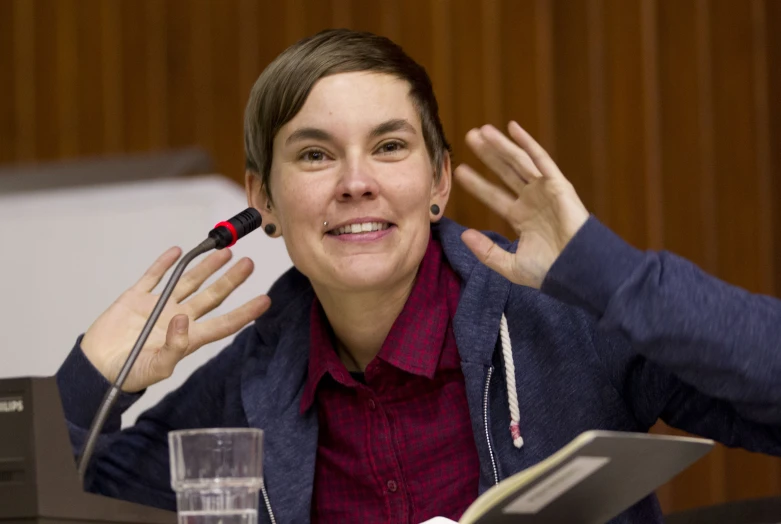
(109, 340)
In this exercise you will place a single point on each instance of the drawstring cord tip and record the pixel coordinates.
(515, 431)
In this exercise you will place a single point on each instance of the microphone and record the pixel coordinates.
(224, 234)
(228, 233)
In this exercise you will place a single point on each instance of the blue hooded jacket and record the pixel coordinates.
(616, 339)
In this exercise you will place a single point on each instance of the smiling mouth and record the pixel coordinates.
(354, 229)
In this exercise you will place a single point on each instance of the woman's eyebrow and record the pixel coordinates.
(392, 126)
(308, 133)
(315, 133)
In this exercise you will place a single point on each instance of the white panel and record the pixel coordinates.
(68, 254)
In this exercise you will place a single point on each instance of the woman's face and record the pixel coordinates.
(354, 157)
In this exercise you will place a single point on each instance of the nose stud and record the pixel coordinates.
(325, 224)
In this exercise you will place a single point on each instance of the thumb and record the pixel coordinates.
(488, 252)
(177, 340)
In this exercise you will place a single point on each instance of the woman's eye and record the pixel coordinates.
(390, 147)
(312, 155)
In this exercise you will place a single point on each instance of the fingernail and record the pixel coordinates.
(180, 324)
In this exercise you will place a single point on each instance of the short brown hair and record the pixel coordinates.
(283, 87)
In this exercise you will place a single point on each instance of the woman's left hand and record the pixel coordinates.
(542, 207)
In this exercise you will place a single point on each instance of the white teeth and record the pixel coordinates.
(365, 227)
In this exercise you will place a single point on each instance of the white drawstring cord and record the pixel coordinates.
(512, 393)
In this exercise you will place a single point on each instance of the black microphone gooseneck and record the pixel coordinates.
(224, 234)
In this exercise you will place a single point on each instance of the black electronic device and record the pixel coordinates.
(39, 483)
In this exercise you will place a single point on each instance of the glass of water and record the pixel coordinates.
(216, 474)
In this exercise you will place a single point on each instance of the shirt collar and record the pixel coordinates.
(322, 356)
(414, 343)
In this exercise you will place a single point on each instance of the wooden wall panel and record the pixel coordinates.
(7, 88)
(760, 85)
(526, 70)
(135, 47)
(24, 80)
(369, 16)
(469, 106)
(88, 98)
(686, 177)
(181, 109)
(157, 66)
(579, 114)
(46, 88)
(627, 207)
(228, 117)
(67, 61)
(737, 183)
(202, 81)
(109, 17)
(442, 64)
(743, 252)
(687, 185)
(773, 61)
(664, 114)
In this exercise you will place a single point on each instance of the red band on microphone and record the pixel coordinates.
(230, 228)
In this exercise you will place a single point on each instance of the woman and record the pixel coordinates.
(407, 364)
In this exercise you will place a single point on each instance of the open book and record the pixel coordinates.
(589, 481)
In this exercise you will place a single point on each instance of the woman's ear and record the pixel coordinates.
(258, 197)
(440, 188)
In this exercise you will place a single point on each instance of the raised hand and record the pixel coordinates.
(109, 340)
(541, 205)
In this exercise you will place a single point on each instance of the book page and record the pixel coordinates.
(509, 485)
(556, 485)
(601, 472)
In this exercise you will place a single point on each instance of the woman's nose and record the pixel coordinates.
(357, 181)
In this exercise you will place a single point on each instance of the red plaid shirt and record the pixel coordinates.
(397, 447)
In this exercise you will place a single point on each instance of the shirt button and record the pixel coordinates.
(372, 405)
(392, 486)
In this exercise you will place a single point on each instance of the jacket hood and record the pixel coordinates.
(483, 297)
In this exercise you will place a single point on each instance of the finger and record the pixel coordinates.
(226, 325)
(194, 278)
(511, 153)
(212, 296)
(538, 155)
(489, 155)
(177, 341)
(488, 252)
(489, 194)
(152, 277)
(508, 153)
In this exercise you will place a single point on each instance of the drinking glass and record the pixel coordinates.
(216, 474)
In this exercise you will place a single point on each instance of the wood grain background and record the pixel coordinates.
(665, 114)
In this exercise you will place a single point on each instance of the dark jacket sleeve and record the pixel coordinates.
(683, 345)
(133, 464)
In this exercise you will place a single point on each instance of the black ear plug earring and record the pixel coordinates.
(270, 229)
(435, 209)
